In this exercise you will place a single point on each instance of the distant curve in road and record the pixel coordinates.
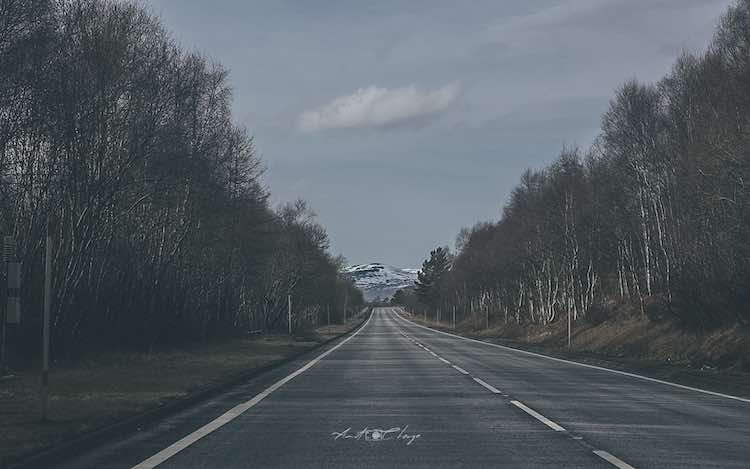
(396, 394)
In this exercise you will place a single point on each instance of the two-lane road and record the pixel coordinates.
(396, 394)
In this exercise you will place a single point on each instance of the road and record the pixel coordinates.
(396, 394)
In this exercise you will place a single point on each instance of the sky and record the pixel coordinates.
(401, 122)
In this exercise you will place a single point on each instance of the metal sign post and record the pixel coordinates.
(13, 311)
(9, 304)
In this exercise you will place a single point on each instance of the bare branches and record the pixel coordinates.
(657, 214)
(164, 231)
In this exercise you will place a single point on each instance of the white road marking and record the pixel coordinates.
(594, 367)
(615, 461)
(488, 386)
(460, 370)
(236, 411)
(538, 416)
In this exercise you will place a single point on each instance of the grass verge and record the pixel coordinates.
(93, 394)
(718, 360)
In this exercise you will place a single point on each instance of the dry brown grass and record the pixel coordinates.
(717, 360)
(99, 391)
(658, 342)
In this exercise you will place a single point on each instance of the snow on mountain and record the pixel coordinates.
(378, 280)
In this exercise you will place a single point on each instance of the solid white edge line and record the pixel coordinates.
(610, 458)
(488, 386)
(614, 460)
(594, 367)
(235, 411)
(460, 370)
(538, 416)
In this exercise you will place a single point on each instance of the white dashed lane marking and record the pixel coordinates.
(614, 460)
(460, 370)
(569, 362)
(538, 416)
(487, 386)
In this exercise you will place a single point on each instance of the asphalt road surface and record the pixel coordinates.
(396, 394)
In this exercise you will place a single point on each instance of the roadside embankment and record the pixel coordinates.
(717, 360)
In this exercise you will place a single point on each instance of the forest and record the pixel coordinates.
(122, 146)
(653, 219)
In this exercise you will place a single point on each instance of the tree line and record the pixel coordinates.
(123, 146)
(653, 219)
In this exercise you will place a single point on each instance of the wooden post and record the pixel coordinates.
(346, 304)
(45, 323)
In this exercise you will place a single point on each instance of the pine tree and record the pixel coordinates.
(433, 271)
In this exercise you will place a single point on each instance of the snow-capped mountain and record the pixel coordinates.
(378, 280)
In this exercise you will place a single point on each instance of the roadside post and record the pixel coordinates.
(10, 295)
(46, 321)
(7, 240)
(13, 308)
(289, 312)
(346, 305)
(8, 255)
(454, 317)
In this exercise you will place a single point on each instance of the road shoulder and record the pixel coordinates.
(730, 382)
(163, 385)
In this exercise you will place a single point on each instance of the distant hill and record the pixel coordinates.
(378, 280)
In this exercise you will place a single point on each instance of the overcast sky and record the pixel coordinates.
(403, 121)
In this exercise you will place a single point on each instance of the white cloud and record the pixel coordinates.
(379, 107)
(559, 14)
